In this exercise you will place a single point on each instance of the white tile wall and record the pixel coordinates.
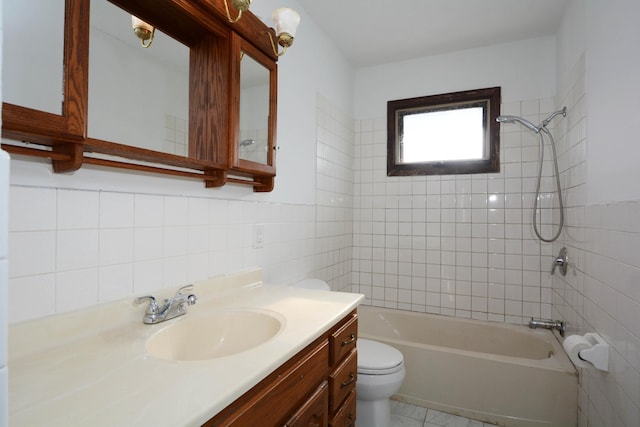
(460, 245)
(601, 291)
(72, 249)
(334, 195)
(176, 135)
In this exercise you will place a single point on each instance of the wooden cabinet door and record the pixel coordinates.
(271, 401)
(314, 412)
(346, 415)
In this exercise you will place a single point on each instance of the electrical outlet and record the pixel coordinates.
(258, 236)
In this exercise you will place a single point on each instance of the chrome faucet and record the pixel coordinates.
(174, 307)
(560, 325)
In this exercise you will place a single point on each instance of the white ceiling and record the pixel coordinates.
(372, 32)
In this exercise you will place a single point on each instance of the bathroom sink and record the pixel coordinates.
(213, 335)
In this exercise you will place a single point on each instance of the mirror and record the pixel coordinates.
(253, 143)
(252, 138)
(137, 96)
(33, 35)
(453, 133)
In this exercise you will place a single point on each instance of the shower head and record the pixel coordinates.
(523, 122)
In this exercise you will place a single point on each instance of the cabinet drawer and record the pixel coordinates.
(314, 412)
(346, 415)
(342, 381)
(342, 341)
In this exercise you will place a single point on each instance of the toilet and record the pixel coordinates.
(380, 374)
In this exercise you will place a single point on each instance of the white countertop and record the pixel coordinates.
(91, 367)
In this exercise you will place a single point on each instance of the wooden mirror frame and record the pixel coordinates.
(201, 25)
(265, 172)
(65, 132)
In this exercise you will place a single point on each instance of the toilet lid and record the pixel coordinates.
(376, 358)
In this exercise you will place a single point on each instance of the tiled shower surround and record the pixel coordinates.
(458, 245)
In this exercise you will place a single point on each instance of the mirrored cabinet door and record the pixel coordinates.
(138, 96)
(33, 49)
(44, 74)
(253, 142)
(252, 136)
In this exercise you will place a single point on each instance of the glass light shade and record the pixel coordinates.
(139, 23)
(286, 21)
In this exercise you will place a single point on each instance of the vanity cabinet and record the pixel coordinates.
(316, 387)
(211, 149)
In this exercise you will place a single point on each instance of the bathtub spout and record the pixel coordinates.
(549, 324)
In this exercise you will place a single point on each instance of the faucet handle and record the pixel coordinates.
(153, 305)
(562, 261)
(191, 298)
(187, 288)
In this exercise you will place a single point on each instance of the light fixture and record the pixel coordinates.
(286, 21)
(239, 5)
(143, 31)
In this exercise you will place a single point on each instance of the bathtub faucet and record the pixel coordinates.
(549, 324)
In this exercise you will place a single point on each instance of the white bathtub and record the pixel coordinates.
(503, 374)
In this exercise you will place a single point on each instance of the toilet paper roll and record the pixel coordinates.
(573, 345)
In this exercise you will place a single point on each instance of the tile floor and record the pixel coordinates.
(405, 415)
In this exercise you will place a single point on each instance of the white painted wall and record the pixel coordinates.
(312, 65)
(613, 88)
(4, 264)
(570, 42)
(525, 70)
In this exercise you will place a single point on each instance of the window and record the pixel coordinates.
(452, 133)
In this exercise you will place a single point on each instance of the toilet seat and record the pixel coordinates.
(376, 358)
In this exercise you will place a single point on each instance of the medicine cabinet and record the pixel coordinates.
(254, 103)
(200, 102)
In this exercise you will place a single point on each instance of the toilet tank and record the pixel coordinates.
(317, 284)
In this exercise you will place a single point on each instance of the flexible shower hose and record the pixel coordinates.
(535, 202)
